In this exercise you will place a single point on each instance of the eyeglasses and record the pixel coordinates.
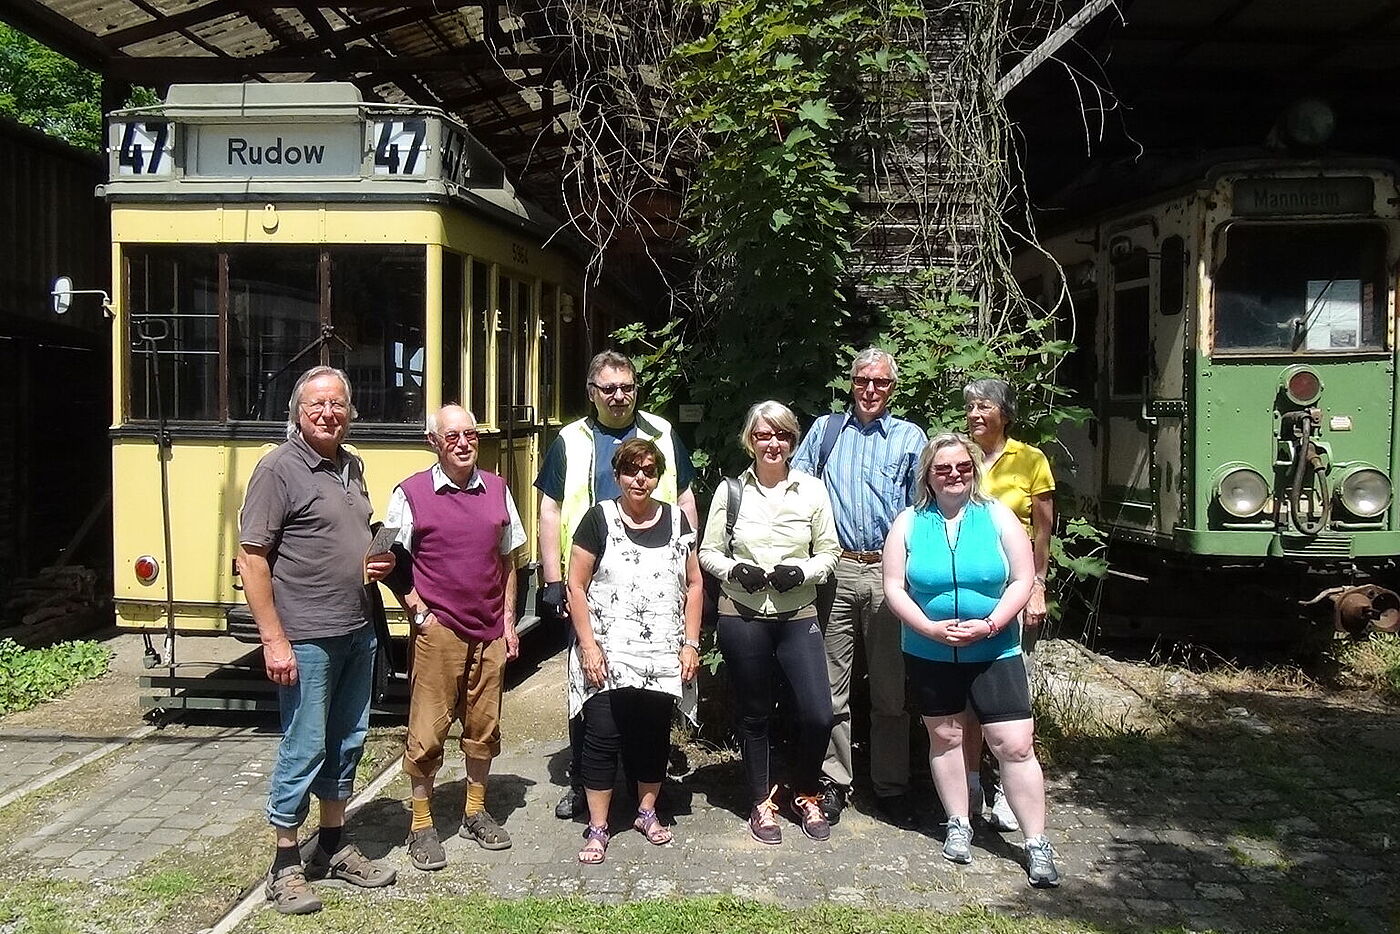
(879, 382)
(452, 438)
(631, 470)
(981, 407)
(625, 388)
(763, 437)
(336, 408)
(964, 469)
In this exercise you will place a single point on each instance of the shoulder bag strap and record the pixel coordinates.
(834, 423)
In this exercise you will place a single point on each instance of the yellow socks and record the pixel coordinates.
(476, 798)
(422, 816)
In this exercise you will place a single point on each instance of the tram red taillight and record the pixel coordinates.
(1303, 386)
(147, 569)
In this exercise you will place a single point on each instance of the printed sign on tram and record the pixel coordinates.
(145, 147)
(288, 150)
(400, 147)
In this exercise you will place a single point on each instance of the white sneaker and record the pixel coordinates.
(1000, 816)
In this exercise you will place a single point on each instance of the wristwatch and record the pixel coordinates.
(420, 618)
(691, 643)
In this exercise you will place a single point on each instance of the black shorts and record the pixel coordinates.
(997, 690)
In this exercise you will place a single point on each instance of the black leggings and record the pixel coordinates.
(754, 651)
(630, 722)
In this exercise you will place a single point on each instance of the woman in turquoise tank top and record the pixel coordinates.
(957, 572)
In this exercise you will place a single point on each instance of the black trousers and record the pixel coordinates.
(754, 652)
(628, 723)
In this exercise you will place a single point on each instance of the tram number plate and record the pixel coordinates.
(399, 147)
(146, 149)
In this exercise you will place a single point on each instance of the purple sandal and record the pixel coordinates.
(651, 827)
(595, 849)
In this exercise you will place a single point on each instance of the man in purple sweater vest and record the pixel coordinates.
(460, 529)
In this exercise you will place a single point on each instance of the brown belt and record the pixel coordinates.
(861, 557)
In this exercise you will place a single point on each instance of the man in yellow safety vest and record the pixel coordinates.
(577, 472)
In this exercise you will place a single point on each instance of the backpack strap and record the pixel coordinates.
(832, 429)
(734, 491)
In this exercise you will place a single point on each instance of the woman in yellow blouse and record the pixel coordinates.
(1019, 476)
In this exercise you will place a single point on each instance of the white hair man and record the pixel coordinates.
(460, 529)
(867, 458)
(303, 536)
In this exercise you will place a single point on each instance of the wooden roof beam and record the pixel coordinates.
(59, 33)
(165, 25)
(357, 60)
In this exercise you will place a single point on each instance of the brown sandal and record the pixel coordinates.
(595, 850)
(657, 833)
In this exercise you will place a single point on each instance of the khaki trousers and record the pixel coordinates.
(452, 678)
(859, 610)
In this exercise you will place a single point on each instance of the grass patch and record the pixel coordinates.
(29, 677)
(1375, 664)
(708, 915)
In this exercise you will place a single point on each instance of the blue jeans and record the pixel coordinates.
(325, 716)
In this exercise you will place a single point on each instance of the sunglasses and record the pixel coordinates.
(879, 382)
(964, 469)
(763, 437)
(625, 388)
(631, 470)
(453, 437)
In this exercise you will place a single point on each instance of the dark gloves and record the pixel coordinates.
(784, 577)
(748, 576)
(552, 595)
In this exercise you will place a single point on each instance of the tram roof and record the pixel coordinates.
(1166, 79)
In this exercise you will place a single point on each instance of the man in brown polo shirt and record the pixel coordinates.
(303, 534)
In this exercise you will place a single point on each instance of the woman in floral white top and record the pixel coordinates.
(634, 599)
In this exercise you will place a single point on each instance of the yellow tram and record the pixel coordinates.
(261, 229)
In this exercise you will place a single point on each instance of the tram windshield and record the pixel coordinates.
(235, 327)
(1303, 289)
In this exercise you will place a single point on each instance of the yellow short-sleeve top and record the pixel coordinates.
(1018, 476)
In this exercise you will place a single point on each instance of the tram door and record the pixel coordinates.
(1127, 497)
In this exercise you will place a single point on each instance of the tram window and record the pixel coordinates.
(452, 312)
(549, 334)
(1171, 281)
(175, 292)
(1130, 340)
(1080, 371)
(573, 358)
(274, 314)
(378, 300)
(1301, 288)
(505, 347)
(523, 344)
(481, 339)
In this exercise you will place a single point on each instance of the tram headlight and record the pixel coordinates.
(1241, 490)
(1364, 491)
(1302, 385)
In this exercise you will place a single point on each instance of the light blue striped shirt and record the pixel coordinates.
(870, 474)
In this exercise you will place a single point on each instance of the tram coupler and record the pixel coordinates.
(1359, 608)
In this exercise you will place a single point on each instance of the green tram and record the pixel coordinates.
(1237, 348)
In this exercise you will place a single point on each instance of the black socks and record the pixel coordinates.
(286, 856)
(329, 839)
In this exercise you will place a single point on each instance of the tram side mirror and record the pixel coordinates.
(1119, 249)
(62, 294)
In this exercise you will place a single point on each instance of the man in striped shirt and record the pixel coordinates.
(869, 472)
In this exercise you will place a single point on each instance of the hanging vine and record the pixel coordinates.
(847, 173)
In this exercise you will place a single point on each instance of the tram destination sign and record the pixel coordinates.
(1270, 197)
(283, 151)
